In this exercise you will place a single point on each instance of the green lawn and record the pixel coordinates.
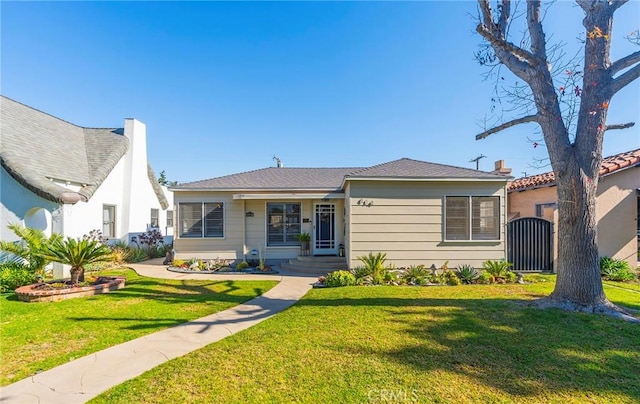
(427, 344)
(39, 336)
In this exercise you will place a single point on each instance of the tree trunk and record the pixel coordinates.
(579, 282)
(76, 274)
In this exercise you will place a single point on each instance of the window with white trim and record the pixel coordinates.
(155, 218)
(201, 219)
(169, 218)
(472, 218)
(108, 221)
(283, 224)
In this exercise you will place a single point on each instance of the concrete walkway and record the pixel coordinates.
(85, 378)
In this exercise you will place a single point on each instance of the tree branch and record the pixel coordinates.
(619, 126)
(624, 79)
(538, 46)
(619, 3)
(524, 119)
(624, 62)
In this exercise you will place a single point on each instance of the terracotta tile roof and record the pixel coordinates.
(609, 165)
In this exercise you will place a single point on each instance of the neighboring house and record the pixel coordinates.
(617, 204)
(63, 178)
(415, 212)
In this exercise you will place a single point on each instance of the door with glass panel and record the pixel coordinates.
(324, 229)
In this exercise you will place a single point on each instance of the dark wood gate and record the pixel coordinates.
(530, 244)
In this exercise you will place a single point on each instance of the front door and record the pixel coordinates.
(324, 229)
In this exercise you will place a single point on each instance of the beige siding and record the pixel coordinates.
(244, 234)
(616, 212)
(228, 247)
(405, 221)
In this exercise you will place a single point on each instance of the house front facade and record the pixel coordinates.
(617, 204)
(416, 212)
(63, 178)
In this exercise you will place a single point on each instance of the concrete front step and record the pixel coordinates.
(315, 265)
(321, 258)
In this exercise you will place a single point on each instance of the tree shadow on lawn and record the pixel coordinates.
(524, 352)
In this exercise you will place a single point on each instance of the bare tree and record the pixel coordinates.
(574, 143)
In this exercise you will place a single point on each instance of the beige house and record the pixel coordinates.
(617, 204)
(416, 212)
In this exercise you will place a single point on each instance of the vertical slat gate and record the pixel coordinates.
(530, 244)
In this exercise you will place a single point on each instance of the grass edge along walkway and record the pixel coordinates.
(80, 380)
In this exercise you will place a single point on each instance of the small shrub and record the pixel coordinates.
(374, 263)
(361, 272)
(415, 274)
(179, 263)
(242, 265)
(485, 278)
(497, 269)
(138, 255)
(615, 270)
(340, 278)
(510, 277)
(452, 279)
(13, 275)
(467, 273)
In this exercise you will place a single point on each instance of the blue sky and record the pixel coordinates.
(225, 86)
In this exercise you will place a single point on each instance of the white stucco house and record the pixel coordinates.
(64, 178)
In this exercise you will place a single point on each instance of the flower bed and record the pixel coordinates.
(222, 271)
(61, 290)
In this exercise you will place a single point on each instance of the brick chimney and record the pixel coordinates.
(501, 169)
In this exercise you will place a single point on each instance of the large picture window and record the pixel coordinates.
(201, 219)
(283, 224)
(472, 218)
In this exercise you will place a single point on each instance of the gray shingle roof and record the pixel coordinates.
(331, 179)
(408, 168)
(277, 178)
(37, 147)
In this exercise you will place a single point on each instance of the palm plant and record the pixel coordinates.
(497, 269)
(77, 254)
(374, 264)
(33, 242)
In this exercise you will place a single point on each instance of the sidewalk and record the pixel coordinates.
(83, 379)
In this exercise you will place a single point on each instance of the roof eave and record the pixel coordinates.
(211, 189)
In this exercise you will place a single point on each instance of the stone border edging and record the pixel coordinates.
(243, 272)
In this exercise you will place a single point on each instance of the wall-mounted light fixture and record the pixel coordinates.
(249, 214)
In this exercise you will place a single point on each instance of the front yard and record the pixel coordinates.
(40, 336)
(424, 344)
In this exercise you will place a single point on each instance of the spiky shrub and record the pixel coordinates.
(77, 254)
(339, 278)
(615, 270)
(375, 265)
(497, 269)
(415, 274)
(467, 273)
(32, 244)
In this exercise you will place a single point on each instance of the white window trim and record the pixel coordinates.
(202, 236)
(470, 218)
(266, 225)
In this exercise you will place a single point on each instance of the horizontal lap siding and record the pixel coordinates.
(405, 221)
(229, 247)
